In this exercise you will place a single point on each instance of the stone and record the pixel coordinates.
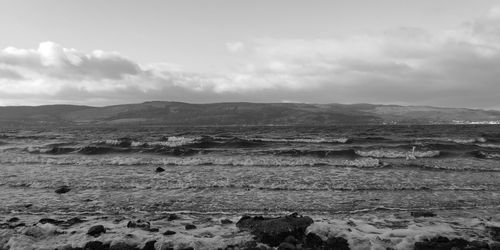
(123, 246)
(273, 231)
(62, 189)
(95, 245)
(337, 243)
(494, 232)
(139, 224)
(423, 214)
(313, 241)
(172, 217)
(35, 232)
(441, 242)
(286, 246)
(495, 246)
(72, 221)
(159, 170)
(190, 227)
(50, 221)
(226, 221)
(150, 245)
(169, 232)
(290, 239)
(13, 219)
(96, 230)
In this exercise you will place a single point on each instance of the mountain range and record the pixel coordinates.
(240, 113)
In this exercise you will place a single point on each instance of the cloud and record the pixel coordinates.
(10, 74)
(235, 47)
(50, 59)
(405, 65)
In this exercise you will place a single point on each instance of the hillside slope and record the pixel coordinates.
(240, 113)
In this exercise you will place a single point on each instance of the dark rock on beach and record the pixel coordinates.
(337, 243)
(150, 245)
(139, 224)
(123, 246)
(159, 170)
(423, 214)
(72, 221)
(172, 217)
(494, 232)
(273, 231)
(286, 246)
(169, 232)
(313, 241)
(13, 219)
(190, 227)
(96, 230)
(63, 189)
(443, 243)
(226, 221)
(50, 221)
(95, 245)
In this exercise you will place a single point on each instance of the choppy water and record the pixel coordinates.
(250, 169)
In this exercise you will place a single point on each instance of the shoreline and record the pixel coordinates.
(374, 230)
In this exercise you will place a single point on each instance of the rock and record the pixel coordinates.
(159, 170)
(495, 246)
(167, 246)
(273, 231)
(96, 230)
(95, 245)
(286, 246)
(190, 227)
(479, 245)
(169, 232)
(35, 232)
(62, 189)
(290, 239)
(226, 221)
(313, 241)
(123, 246)
(13, 219)
(139, 224)
(337, 243)
(124, 142)
(72, 221)
(205, 235)
(172, 217)
(153, 229)
(423, 214)
(12, 226)
(494, 232)
(443, 243)
(50, 221)
(150, 245)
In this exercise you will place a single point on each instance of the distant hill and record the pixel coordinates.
(240, 113)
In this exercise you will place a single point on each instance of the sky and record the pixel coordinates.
(94, 52)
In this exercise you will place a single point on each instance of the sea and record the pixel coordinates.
(261, 170)
(357, 182)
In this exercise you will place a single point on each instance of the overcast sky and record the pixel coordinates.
(95, 52)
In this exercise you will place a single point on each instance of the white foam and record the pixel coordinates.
(306, 140)
(390, 153)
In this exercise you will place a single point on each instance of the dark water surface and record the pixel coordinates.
(250, 169)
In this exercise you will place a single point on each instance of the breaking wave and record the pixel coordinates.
(392, 153)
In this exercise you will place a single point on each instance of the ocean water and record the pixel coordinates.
(256, 170)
